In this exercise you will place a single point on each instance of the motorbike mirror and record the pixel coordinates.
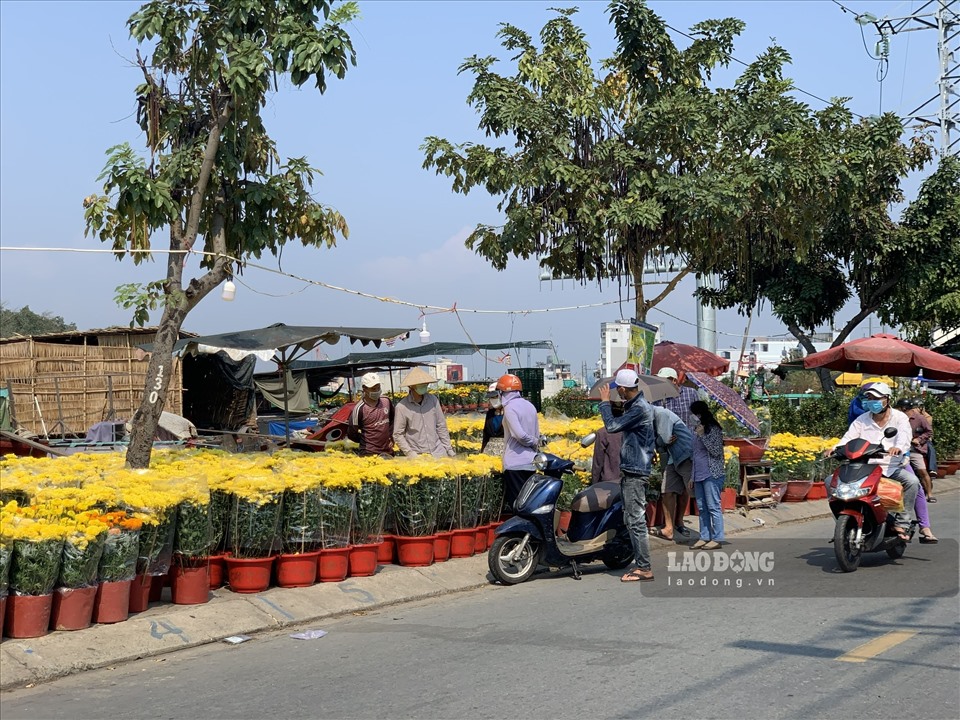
(588, 440)
(889, 432)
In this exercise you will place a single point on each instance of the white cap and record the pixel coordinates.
(877, 390)
(492, 389)
(667, 372)
(627, 378)
(369, 380)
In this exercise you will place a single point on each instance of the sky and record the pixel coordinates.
(66, 95)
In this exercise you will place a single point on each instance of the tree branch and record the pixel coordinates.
(209, 158)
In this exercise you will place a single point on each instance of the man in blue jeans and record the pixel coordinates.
(636, 455)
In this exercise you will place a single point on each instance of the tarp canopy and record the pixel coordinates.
(885, 354)
(436, 348)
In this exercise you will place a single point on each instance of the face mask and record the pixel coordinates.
(421, 389)
(496, 403)
(873, 406)
(373, 394)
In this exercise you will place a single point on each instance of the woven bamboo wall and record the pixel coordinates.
(67, 387)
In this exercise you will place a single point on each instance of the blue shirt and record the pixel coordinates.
(668, 425)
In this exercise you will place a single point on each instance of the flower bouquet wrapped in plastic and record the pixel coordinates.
(121, 548)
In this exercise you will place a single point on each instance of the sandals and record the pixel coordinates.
(930, 539)
(931, 499)
(638, 575)
(658, 532)
(902, 533)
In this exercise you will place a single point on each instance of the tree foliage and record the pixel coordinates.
(212, 176)
(610, 171)
(26, 322)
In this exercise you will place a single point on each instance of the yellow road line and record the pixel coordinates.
(873, 648)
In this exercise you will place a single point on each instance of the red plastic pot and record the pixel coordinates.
(564, 524)
(387, 553)
(333, 564)
(480, 540)
(157, 586)
(248, 575)
(818, 491)
(3, 613)
(441, 546)
(190, 584)
(112, 603)
(28, 616)
(217, 574)
(72, 608)
(363, 559)
(728, 499)
(297, 570)
(463, 542)
(416, 551)
(140, 590)
(796, 490)
(750, 450)
(492, 533)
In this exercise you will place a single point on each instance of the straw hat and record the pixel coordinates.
(417, 376)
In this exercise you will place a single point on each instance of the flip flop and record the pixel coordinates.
(637, 576)
(903, 534)
(928, 540)
(931, 499)
(658, 532)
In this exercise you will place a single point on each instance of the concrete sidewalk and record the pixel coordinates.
(166, 628)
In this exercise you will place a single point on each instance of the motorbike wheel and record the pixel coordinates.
(511, 572)
(618, 554)
(848, 557)
(897, 551)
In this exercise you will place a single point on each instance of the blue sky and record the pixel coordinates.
(66, 95)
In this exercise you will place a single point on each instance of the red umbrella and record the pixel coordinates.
(885, 355)
(687, 358)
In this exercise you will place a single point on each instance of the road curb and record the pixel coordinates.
(168, 628)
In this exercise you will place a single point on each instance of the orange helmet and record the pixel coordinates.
(509, 382)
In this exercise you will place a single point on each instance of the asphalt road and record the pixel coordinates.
(595, 648)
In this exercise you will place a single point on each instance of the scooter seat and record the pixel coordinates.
(599, 496)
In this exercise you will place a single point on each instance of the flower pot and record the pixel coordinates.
(387, 552)
(72, 608)
(112, 603)
(417, 551)
(190, 584)
(564, 524)
(3, 613)
(777, 491)
(728, 499)
(140, 590)
(249, 575)
(750, 450)
(796, 490)
(297, 570)
(333, 564)
(363, 559)
(441, 546)
(818, 491)
(462, 543)
(217, 574)
(480, 540)
(28, 616)
(492, 533)
(157, 586)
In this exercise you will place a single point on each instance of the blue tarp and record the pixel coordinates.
(276, 428)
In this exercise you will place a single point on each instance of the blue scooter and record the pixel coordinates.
(529, 539)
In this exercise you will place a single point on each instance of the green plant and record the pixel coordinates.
(119, 559)
(301, 521)
(415, 506)
(6, 555)
(572, 484)
(254, 528)
(336, 517)
(946, 425)
(824, 416)
(194, 536)
(369, 511)
(492, 504)
(572, 402)
(80, 562)
(35, 566)
(469, 497)
(447, 502)
(731, 478)
(156, 544)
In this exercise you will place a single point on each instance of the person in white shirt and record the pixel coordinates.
(870, 426)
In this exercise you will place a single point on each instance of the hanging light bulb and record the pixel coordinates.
(424, 333)
(229, 291)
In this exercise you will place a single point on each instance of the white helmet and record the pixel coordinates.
(877, 390)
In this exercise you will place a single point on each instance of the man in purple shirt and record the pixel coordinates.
(521, 435)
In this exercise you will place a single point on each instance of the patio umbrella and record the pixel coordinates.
(687, 358)
(283, 344)
(653, 388)
(728, 398)
(885, 355)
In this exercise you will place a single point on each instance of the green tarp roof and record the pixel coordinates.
(437, 348)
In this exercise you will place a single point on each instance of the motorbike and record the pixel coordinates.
(863, 525)
(529, 539)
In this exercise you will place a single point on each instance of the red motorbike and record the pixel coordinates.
(863, 523)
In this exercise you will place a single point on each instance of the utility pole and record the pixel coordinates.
(944, 17)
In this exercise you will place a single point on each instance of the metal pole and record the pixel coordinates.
(706, 318)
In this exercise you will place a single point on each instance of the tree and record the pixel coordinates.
(648, 161)
(213, 177)
(25, 322)
(855, 251)
(929, 297)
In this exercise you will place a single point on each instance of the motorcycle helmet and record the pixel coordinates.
(507, 383)
(876, 390)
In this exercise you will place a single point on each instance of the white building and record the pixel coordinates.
(614, 346)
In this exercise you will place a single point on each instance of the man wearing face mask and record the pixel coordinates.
(870, 426)
(521, 435)
(371, 421)
(419, 425)
(492, 442)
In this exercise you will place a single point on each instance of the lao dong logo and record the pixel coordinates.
(719, 561)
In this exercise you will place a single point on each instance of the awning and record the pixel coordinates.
(436, 348)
